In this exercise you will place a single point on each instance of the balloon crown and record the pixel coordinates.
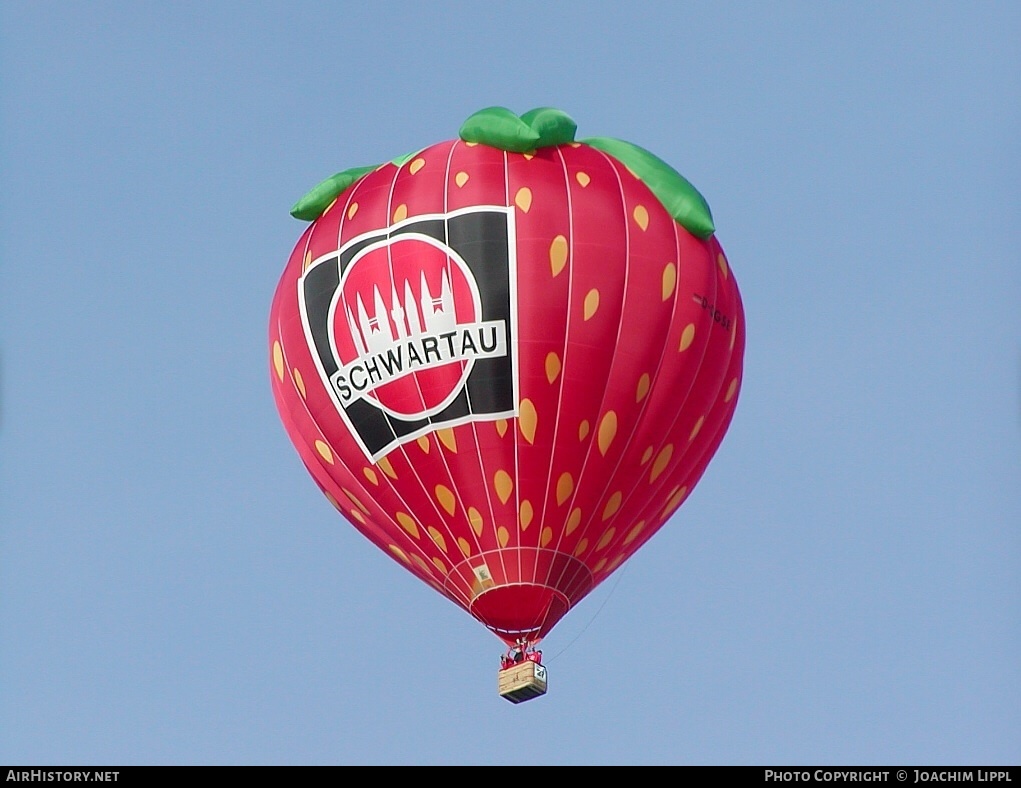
(542, 127)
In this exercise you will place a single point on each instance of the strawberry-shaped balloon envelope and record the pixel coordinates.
(507, 359)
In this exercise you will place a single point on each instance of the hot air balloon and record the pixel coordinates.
(507, 359)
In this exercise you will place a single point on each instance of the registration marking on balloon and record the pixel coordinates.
(413, 327)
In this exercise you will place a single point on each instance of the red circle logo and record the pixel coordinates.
(395, 325)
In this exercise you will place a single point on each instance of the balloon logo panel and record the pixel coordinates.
(404, 329)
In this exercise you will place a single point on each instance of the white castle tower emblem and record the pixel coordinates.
(430, 316)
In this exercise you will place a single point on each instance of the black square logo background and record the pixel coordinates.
(481, 237)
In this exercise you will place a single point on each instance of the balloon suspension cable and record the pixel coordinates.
(592, 619)
(542, 620)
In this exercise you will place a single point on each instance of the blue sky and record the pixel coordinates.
(844, 585)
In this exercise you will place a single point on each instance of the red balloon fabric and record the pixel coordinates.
(506, 368)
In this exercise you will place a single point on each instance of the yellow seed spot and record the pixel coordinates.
(583, 429)
(546, 536)
(501, 427)
(605, 538)
(633, 533)
(607, 431)
(421, 562)
(730, 390)
(307, 261)
(387, 468)
(558, 254)
(502, 536)
(324, 451)
(599, 566)
(330, 206)
(581, 548)
(352, 209)
(675, 499)
(687, 336)
(445, 496)
(614, 563)
(423, 444)
(641, 217)
(733, 335)
(475, 518)
(358, 516)
(669, 280)
(299, 382)
(528, 156)
(525, 515)
(442, 567)
(573, 521)
(278, 360)
(643, 387)
(574, 144)
(399, 553)
(527, 420)
(446, 436)
(400, 213)
(370, 475)
(721, 261)
(583, 179)
(437, 537)
(552, 366)
(565, 486)
(332, 500)
(662, 460)
(591, 303)
(646, 456)
(461, 179)
(416, 165)
(408, 524)
(470, 144)
(523, 199)
(503, 484)
(696, 428)
(612, 505)
(354, 499)
(464, 547)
